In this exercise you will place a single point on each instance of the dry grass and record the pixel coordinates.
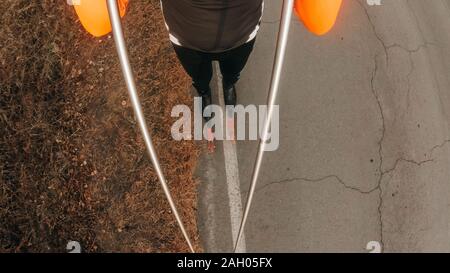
(73, 165)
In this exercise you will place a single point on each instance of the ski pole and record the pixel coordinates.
(283, 35)
(132, 90)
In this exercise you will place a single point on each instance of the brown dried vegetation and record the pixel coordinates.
(73, 165)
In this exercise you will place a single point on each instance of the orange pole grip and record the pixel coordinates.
(319, 16)
(94, 17)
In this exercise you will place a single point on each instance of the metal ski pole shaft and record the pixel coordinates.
(283, 35)
(132, 90)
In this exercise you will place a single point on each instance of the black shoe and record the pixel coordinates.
(229, 94)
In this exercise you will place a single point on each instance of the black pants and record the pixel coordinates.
(199, 64)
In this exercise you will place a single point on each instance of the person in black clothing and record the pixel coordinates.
(203, 31)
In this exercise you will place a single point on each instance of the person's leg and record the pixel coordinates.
(232, 62)
(198, 66)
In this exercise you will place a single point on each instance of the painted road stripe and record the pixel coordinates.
(232, 174)
(211, 176)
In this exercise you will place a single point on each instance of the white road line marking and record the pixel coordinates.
(232, 174)
(211, 176)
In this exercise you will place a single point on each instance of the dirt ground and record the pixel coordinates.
(73, 164)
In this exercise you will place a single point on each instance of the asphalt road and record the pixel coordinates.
(364, 137)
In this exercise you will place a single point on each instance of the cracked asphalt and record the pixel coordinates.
(364, 136)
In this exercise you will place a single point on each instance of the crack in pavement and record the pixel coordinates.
(412, 68)
(386, 49)
(342, 182)
(410, 53)
(440, 146)
(305, 179)
(383, 43)
(378, 187)
(378, 37)
(380, 142)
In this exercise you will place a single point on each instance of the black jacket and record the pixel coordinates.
(212, 25)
